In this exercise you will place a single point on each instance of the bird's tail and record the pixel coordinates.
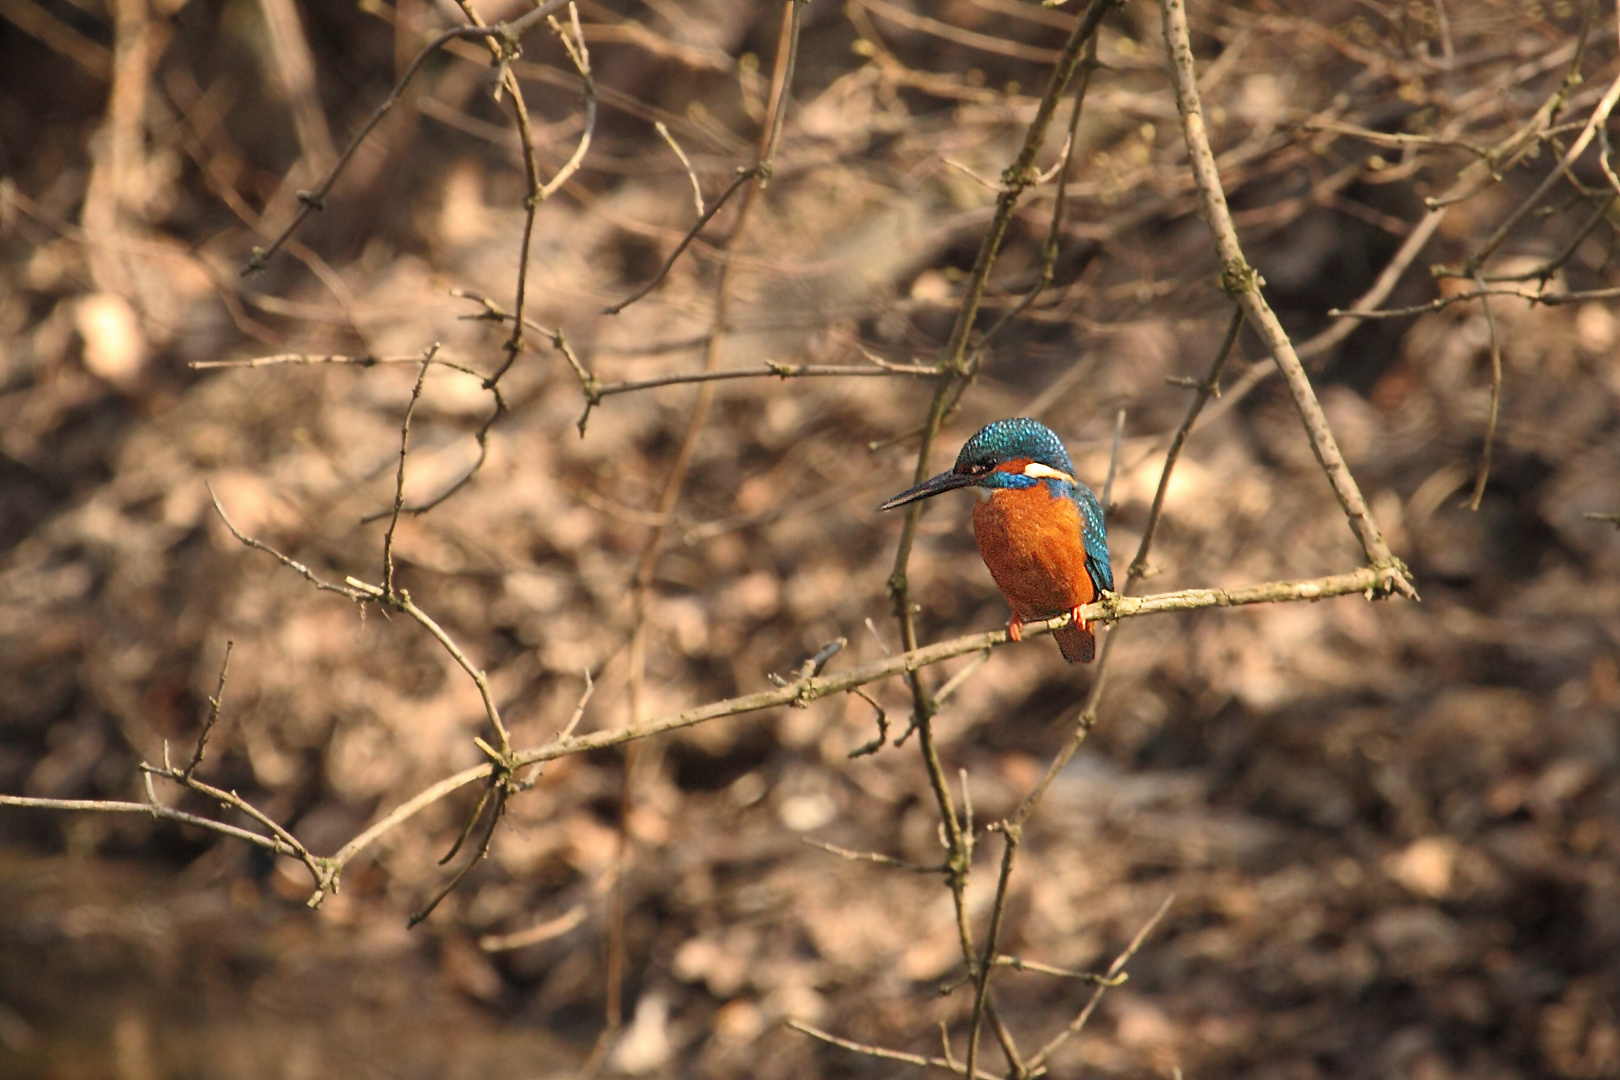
(1079, 646)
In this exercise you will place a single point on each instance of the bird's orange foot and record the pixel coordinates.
(1015, 628)
(1078, 621)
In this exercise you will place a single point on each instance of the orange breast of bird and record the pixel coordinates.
(1030, 540)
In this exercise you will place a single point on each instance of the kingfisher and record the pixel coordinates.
(1041, 531)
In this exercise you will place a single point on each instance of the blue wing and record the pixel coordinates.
(1094, 533)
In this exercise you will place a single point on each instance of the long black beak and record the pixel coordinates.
(945, 481)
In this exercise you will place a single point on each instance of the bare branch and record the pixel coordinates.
(1012, 834)
(281, 359)
(399, 476)
(1242, 283)
(316, 198)
(1470, 182)
(213, 713)
(580, 54)
(883, 1052)
(156, 810)
(1599, 117)
(1115, 970)
(292, 564)
(1210, 387)
(743, 176)
(1018, 964)
(874, 857)
(400, 600)
(691, 174)
(1496, 396)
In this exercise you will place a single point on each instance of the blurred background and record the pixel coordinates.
(1391, 830)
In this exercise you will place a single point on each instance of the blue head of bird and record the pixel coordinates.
(1005, 454)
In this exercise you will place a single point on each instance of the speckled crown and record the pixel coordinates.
(1018, 437)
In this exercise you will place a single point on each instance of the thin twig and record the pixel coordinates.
(1113, 462)
(1496, 398)
(873, 857)
(272, 844)
(399, 475)
(503, 53)
(1114, 970)
(213, 713)
(1439, 303)
(483, 849)
(1012, 834)
(883, 1052)
(742, 177)
(324, 871)
(697, 187)
(481, 437)
(1019, 964)
(768, 369)
(472, 821)
(580, 54)
(281, 359)
(1208, 388)
(292, 564)
(315, 199)
(401, 600)
(877, 741)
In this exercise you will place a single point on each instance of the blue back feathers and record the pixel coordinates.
(1021, 437)
(1095, 535)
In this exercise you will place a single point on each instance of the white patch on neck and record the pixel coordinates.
(1045, 472)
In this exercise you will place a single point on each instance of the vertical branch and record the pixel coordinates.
(987, 963)
(792, 15)
(1087, 716)
(214, 704)
(954, 375)
(501, 52)
(1113, 462)
(1210, 387)
(1496, 395)
(1060, 200)
(399, 476)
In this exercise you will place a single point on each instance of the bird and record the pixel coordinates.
(1041, 532)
